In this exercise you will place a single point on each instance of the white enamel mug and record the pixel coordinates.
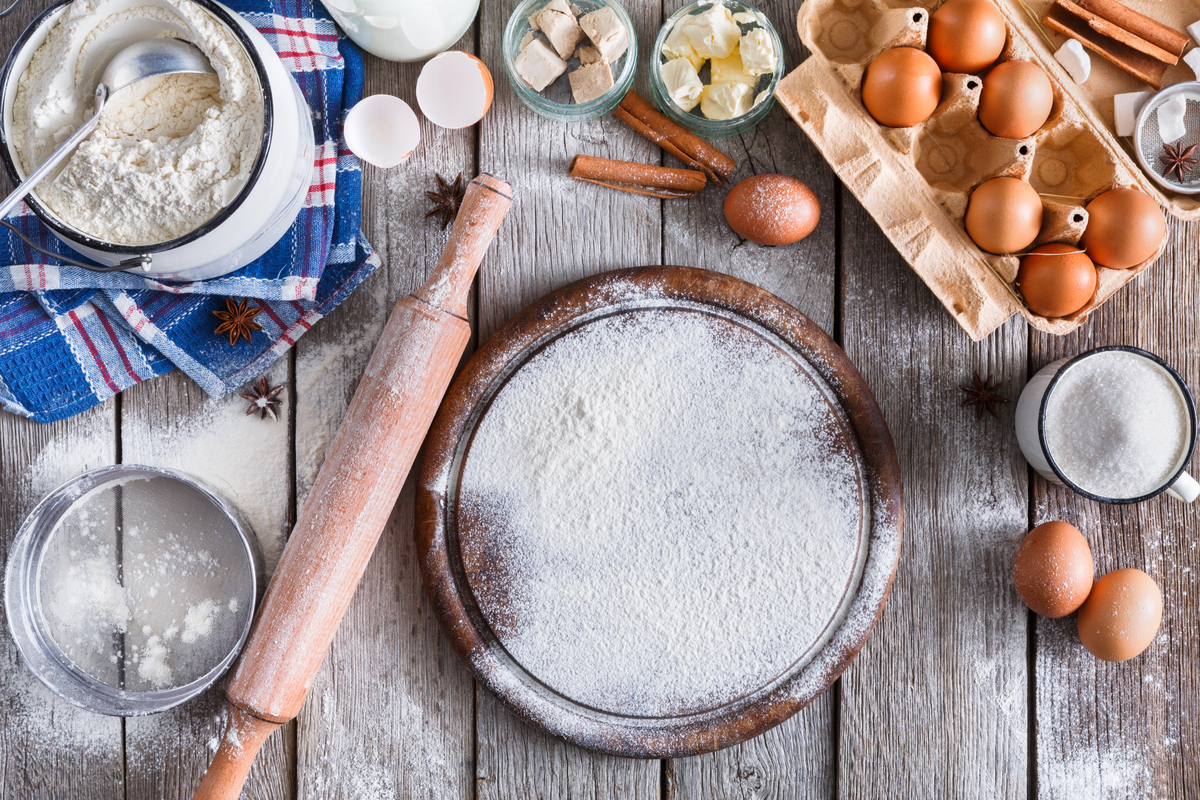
(1031, 429)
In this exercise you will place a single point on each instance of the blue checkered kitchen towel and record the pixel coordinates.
(71, 338)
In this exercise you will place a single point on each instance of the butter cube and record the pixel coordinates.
(538, 65)
(724, 70)
(758, 53)
(712, 32)
(1192, 59)
(1194, 30)
(559, 24)
(606, 32)
(682, 83)
(1125, 110)
(677, 45)
(591, 81)
(1171, 124)
(1075, 60)
(722, 101)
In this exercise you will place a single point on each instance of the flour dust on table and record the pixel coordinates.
(659, 513)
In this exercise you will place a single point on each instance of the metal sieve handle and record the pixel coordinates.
(142, 262)
(6, 11)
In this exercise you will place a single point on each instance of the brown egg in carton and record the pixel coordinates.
(916, 181)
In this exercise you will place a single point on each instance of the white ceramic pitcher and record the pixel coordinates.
(404, 30)
(1031, 419)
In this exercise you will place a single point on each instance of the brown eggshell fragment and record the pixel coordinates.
(1016, 99)
(1125, 227)
(772, 209)
(902, 87)
(966, 35)
(1054, 569)
(1004, 215)
(1121, 615)
(1057, 280)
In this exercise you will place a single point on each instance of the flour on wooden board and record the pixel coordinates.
(671, 520)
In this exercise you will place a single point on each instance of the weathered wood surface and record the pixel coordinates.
(390, 663)
(1109, 731)
(49, 749)
(941, 702)
(166, 423)
(936, 704)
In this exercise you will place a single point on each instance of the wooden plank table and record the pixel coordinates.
(960, 692)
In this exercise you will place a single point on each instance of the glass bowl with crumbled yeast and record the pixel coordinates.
(131, 589)
(570, 60)
(715, 67)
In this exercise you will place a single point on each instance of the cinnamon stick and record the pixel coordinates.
(1137, 44)
(647, 120)
(628, 176)
(1150, 30)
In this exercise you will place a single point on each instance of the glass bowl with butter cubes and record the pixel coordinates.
(715, 66)
(570, 60)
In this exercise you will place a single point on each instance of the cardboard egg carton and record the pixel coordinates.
(916, 181)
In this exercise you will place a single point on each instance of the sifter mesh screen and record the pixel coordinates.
(145, 585)
(1150, 143)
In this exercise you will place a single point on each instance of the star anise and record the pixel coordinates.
(983, 396)
(263, 399)
(1178, 160)
(238, 320)
(446, 199)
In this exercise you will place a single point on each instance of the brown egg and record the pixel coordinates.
(772, 209)
(1054, 569)
(1125, 227)
(902, 87)
(1004, 215)
(1016, 99)
(1121, 615)
(966, 35)
(1057, 280)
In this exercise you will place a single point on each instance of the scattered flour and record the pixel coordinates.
(244, 458)
(153, 667)
(199, 620)
(670, 519)
(1117, 425)
(96, 607)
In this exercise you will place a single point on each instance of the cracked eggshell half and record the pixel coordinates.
(454, 90)
(382, 130)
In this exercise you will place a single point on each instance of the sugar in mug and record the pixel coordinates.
(1031, 429)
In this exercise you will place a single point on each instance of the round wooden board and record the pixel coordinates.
(449, 581)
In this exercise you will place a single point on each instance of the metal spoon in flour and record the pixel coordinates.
(137, 62)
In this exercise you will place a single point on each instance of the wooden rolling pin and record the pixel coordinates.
(354, 494)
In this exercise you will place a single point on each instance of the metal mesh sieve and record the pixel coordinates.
(1148, 143)
(131, 589)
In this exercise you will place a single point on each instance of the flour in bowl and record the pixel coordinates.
(170, 152)
(660, 512)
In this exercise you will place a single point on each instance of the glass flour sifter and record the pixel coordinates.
(131, 589)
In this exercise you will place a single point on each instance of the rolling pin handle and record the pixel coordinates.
(244, 737)
(484, 205)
